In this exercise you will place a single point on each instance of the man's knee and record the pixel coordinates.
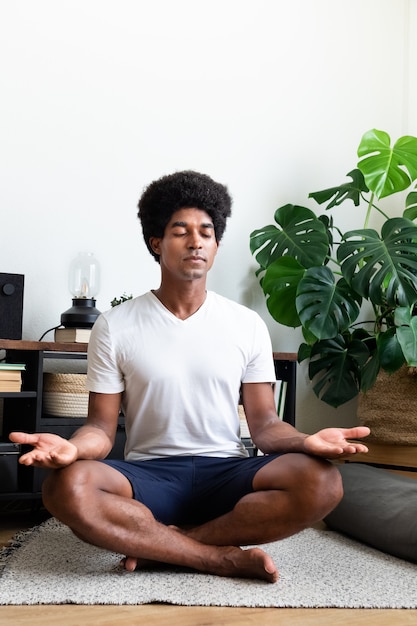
(328, 484)
(76, 489)
(315, 483)
(61, 488)
(317, 487)
(321, 476)
(70, 490)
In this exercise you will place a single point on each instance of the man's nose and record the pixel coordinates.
(195, 241)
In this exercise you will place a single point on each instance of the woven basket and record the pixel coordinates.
(65, 395)
(390, 408)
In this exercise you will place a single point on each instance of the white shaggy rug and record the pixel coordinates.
(318, 568)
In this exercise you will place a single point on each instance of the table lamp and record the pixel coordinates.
(83, 283)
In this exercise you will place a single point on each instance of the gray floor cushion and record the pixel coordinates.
(378, 508)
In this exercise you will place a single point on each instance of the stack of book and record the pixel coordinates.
(72, 335)
(11, 376)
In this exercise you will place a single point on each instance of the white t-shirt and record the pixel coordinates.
(180, 378)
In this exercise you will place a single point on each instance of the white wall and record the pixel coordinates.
(99, 97)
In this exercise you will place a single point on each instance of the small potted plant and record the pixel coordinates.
(123, 298)
(354, 294)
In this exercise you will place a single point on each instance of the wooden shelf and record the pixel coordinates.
(282, 356)
(399, 459)
(52, 346)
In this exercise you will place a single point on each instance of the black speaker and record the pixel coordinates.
(11, 305)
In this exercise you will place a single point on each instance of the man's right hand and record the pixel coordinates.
(49, 451)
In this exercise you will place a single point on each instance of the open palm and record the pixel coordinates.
(333, 443)
(49, 451)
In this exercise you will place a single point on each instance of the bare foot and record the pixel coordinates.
(251, 563)
(230, 562)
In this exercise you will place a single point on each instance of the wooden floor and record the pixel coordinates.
(166, 615)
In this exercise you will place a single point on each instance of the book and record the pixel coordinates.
(10, 385)
(72, 335)
(11, 376)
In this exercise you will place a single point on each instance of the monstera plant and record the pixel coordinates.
(354, 294)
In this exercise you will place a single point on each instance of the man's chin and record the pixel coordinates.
(194, 274)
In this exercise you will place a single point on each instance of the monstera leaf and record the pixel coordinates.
(280, 285)
(382, 268)
(325, 307)
(411, 206)
(406, 333)
(301, 236)
(335, 369)
(345, 191)
(390, 353)
(387, 170)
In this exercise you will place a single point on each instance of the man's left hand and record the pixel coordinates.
(332, 443)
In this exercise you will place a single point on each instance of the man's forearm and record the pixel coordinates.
(92, 442)
(281, 437)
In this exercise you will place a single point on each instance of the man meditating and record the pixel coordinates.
(176, 360)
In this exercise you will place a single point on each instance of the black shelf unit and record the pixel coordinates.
(23, 411)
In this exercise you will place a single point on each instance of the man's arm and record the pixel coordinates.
(270, 434)
(94, 440)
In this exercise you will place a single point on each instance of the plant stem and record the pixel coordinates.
(368, 212)
(371, 206)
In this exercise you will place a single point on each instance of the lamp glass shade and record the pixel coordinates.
(84, 284)
(84, 276)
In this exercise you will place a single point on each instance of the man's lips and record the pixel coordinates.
(194, 258)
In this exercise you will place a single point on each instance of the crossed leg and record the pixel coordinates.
(291, 492)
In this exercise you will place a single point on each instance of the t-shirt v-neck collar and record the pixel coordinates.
(171, 315)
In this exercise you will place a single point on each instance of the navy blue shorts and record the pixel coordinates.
(190, 489)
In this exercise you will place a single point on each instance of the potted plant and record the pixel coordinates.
(354, 294)
(123, 298)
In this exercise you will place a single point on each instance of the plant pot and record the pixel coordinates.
(390, 408)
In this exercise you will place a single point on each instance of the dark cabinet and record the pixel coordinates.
(23, 411)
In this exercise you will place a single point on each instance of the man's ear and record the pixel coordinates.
(155, 244)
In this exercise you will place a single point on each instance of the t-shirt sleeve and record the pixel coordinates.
(260, 368)
(103, 373)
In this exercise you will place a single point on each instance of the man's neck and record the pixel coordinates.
(184, 302)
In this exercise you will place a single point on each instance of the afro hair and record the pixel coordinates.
(181, 190)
